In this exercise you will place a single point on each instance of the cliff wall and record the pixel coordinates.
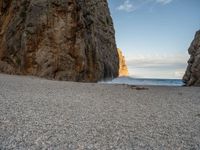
(58, 39)
(192, 74)
(123, 69)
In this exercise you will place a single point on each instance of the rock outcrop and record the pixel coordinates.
(123, 69)
(192, 75)
(58, 39)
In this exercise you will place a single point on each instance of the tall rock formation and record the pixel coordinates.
(123, 69)
(192, 75)
(58, 39)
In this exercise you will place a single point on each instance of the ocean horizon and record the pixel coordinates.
(145, 81)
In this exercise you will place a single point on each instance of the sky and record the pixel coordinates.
(155, 35)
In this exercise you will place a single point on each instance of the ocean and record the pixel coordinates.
(144, 81)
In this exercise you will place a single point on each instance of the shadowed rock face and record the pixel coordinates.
(58, 39)
(123, 69)
(192, 74)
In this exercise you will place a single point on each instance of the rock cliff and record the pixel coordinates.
(123, 69)
(58, 39)
(192, 75)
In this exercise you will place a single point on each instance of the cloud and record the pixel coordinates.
(179, 73)
(157, 61)
(126, 6)
(158, 66)
(132, 5)
(164, 2)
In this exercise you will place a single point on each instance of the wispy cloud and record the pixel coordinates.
(158, 61)
(126, 6)
(132, 5)
(164, 2)
(169, 66)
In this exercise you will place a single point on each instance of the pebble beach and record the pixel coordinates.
(43, 114)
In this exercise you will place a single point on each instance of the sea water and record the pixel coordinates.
(145, 81)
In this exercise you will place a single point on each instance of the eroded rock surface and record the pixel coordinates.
(123, 69)
(58, 39)
(192, 75)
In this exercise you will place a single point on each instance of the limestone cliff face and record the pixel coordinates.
(123, 69)
(58, 39)
(192, 75)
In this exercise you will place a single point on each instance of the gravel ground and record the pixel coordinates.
(41, 114)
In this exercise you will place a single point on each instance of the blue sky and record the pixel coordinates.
(154, 35)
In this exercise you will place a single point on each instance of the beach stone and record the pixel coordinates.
(192, 74)
(58, 39)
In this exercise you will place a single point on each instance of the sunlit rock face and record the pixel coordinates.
(192, 74)
(123, 69)
(58, 39)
